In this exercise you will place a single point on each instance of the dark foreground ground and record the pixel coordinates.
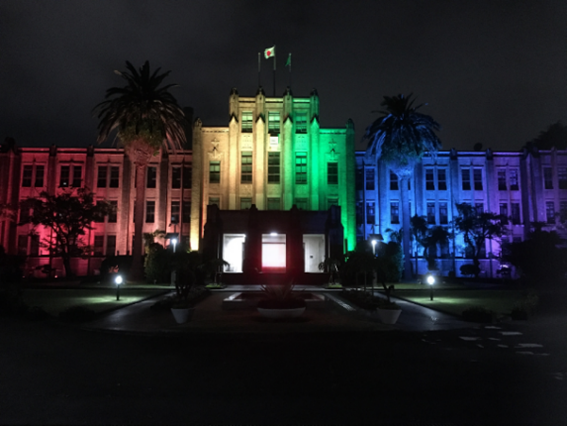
(58, 374)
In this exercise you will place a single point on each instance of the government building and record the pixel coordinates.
(273, 192)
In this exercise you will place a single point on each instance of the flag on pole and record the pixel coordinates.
(270, 52)
(288, 62)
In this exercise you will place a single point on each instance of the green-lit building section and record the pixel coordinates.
(316, 165)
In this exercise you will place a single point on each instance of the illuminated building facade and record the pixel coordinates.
(525, 187)
(273, 156)
(26, 172)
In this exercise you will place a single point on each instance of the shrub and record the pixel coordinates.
(525, 307)
(366, 301)
(196, 294)
(478, 314)
(158, 264)
(470, 270)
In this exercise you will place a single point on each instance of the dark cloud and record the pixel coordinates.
(493, 72)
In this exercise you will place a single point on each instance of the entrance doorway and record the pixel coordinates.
(273, 252)
(314, 251)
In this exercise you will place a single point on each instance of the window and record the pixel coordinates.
(273, 167)
(301, 122)
(502, 179)
(246, 167)
(547, 178)
(514, 180)
(370, 179)
(477, 176)
(562, 175)
(332, 173)
(301, 168)
(273, 203)
(64, 176)
(214, 172)
(504, 213)
(429, 180)
(187, 178)
(370, 213)
(466, 179)
(273, 122)
(22, 245)
(332, 202)
(27, 176)
(34, 245)
(151, 177)
(443, 214)
(176, 177)
(112, 216)
(442, 179)
(111, 245)
(563, 211)
(175, 207)
(186, 212)
(98, 245)
(301, 203)
(39, 173)
(359, 178)
(394, 212)
(394, 185)
(77, 175)
(247, 119)
(101, 177)
(150, 211)
(479, 207)
(550, 212)
(245, 203)
(515, 213)
(431, 213)
(114, 177)
(99, 219)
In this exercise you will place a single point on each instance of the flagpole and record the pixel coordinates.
(289, 64)
(259, 81)
(274, 72)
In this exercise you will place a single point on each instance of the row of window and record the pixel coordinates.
(107, 176)
(247, 122)
(275, 203)
(438, 213)
(274, 166)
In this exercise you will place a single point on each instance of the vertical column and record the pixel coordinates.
(198, 177)
(348, 208)
(317, 165)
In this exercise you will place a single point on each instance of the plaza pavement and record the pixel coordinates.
(335, 315)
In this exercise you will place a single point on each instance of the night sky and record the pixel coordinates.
(490, 71)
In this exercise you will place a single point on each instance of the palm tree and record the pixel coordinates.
(147, 118)
(400, 137)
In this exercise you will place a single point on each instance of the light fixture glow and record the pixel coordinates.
(430, 279)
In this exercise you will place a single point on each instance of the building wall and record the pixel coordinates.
(526, 187)
(115, 185)
(262, 127)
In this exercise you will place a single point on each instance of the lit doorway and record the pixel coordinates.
(233, 251)
(273, 252)
(314, 251)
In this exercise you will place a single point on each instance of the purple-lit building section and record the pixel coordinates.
(525, 187)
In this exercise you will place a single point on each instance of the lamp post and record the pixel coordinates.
(430, 281)
(174, 242)
(374, 246)
(118, 281)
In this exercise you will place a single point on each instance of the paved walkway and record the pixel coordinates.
(335, 315)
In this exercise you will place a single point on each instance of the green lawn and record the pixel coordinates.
(55, 300)
(456, 298)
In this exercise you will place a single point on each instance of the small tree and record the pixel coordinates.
(477, 227)
(67, 215)
(539, 257)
